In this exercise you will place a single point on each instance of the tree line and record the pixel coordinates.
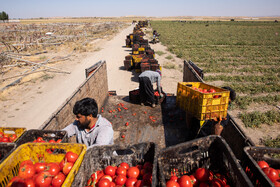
(4, 16)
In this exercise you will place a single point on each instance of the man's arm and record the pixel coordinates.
(70, 129)
(158, 85)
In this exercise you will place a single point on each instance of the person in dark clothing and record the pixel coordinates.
(146, 80)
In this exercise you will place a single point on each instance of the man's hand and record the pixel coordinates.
(161, 95)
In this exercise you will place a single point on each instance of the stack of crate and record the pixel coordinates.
(143, 57)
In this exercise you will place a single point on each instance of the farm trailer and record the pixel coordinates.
(165, 125)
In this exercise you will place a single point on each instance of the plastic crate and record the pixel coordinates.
(47, 135)
(135, 52)
(203, 106)
(10, 166)
(97, 158)
(5, 150)
(144, 66)
(127, 64)
(13, 130)
(250, 163)
(134, 96)
(211, 152)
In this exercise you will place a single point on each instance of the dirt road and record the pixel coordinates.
(31, 104)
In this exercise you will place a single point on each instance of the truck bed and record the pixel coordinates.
(164, 125)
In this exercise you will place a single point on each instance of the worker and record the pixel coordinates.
(219, 123)
(155, 34)
(90, 127)
(146, 80)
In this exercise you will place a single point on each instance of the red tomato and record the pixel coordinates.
(27, 171)
(175, 178)
(43, 179)
(29, 183)
(62, 164)
(58, 180)
(58, 141)
(202, 174)
(277, 183)
(216, 182)
(124, 165)
(104, 183)
(112, 184)
(185, 181)
(147, 179)
(272, 174)
(139, 183)
(39, 139)
(172, 183)
(71, 157)
(53, 168)
(40, 166)
(107, 177)
(12, 137)
(130, 182)
(25, 162)
(212, 90)
(120, 180)
(97, 175)
(110, 170)
(133, 172)
(52, 141)
(67, 168)
(194, 181)
(263, 164)
(121, 171)
(5, 139)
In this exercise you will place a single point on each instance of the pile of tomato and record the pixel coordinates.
(43, 174)
(122, 175)
(7, 137)
(201, 178)
(41, 140)
(271, 173)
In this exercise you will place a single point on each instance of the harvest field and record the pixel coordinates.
(243, 55)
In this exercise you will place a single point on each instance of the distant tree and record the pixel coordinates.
(231, 19)
(4, 16)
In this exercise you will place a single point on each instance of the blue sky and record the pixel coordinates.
(101, 8)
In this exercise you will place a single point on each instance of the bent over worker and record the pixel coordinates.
(146, 79)
(90, 127)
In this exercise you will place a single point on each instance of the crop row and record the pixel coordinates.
(243, 55)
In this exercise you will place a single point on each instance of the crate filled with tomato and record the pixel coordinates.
(10, 134)
(114, 165)
(262, 165)
(202, 100)
(207, 161)
(32, 165)
(43, 136)
(5, 150)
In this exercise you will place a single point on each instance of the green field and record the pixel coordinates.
(243, 55)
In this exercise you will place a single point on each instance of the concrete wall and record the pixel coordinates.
(95, 86)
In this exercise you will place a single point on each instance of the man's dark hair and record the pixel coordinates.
(86, 107)
(232, 93)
